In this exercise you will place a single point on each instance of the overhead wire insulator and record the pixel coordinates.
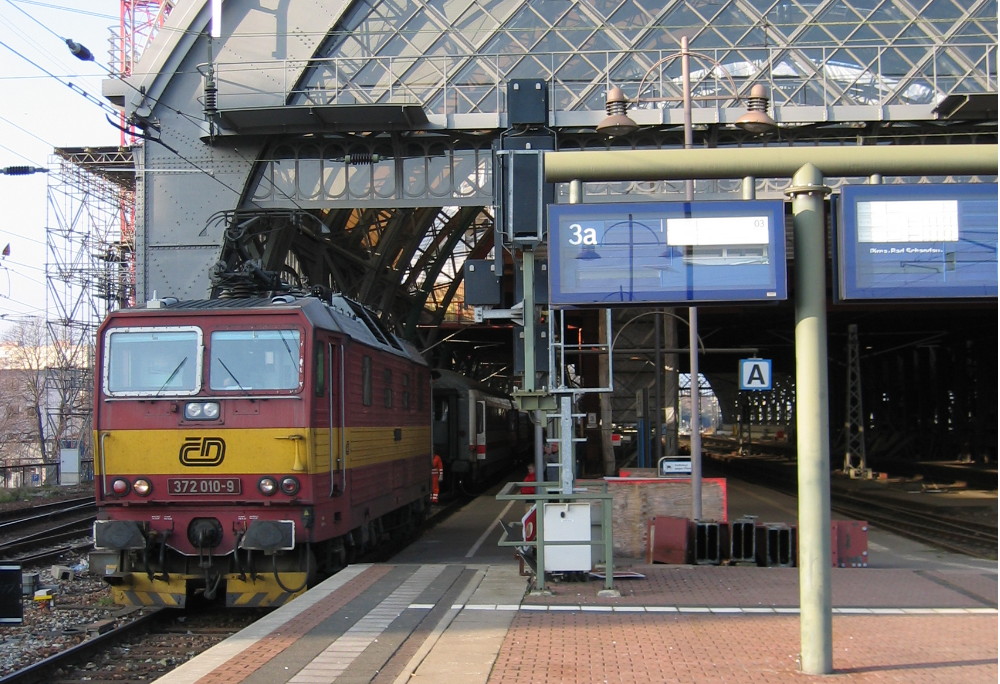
(211, 90)
(22, 170)
(211, 97)
(79, 51)
(362, 158)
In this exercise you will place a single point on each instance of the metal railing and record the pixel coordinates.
(588, 491)
(41, 474)
(796, 76)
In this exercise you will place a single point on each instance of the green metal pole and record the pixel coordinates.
(539, 543)
(528, 279)
(769, 162)
(813, 421)
(802, 164)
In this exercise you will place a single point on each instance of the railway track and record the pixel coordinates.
(14, 517)
(969, 530)
(143, 646)
(74, 642)
(956, 533)
(29, 547)
(41, 532)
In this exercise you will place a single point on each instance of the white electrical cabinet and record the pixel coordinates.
(567, 522)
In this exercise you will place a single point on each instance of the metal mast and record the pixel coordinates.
(855, 463)
(90, 243)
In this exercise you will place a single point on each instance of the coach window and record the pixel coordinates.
(388, 387)
(366, 380)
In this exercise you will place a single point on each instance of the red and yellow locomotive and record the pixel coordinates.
(247, 448)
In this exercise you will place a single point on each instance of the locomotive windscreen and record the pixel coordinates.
(152, 361)
(254, 359)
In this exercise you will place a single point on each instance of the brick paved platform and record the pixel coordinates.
(470, 624)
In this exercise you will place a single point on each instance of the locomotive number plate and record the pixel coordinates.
(203, 485)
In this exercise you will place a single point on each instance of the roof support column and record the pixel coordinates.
(812, 421)
(812, 417)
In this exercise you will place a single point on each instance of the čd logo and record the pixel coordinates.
(202, 451)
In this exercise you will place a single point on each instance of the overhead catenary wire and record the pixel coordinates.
(22, 237)
(14, 152)
(84, 54)
(112, 113)
(108, 109)
(91, 98)
(81, 52)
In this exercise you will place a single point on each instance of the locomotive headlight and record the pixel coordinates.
(142, 487)
(267, 486)
(201, 410)
(289, 486)
(120, 487)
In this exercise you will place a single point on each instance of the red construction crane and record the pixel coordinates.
(139, 22)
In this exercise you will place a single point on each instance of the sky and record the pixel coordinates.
(40, 111)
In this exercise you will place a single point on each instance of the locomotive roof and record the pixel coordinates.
(339, 314)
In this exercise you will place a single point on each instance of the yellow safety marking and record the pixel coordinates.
(264, 592)
(140, 591)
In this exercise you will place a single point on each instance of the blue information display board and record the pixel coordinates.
(917, 241)
(666, 252)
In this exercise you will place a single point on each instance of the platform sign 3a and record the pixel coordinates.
(755, 374)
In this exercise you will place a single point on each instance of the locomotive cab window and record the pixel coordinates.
(366, 380)
(242, 360)
(319, 370)
(387, 391)
(152, 361)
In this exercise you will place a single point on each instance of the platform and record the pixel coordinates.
(463, 624)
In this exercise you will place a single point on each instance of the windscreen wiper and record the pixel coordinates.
(232, 375)
(171, 376)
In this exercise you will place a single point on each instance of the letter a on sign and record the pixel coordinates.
(755, 374)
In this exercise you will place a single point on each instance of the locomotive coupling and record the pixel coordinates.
(205, 533)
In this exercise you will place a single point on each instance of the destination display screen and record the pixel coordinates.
(666, 252)
(917, 241)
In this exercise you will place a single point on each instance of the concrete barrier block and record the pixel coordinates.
(61, 572)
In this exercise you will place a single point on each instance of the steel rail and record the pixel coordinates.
(43, 669)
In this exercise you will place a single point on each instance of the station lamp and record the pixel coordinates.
(756, 120)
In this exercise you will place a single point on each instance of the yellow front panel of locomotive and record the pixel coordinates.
(215, 452)
(234, 452)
